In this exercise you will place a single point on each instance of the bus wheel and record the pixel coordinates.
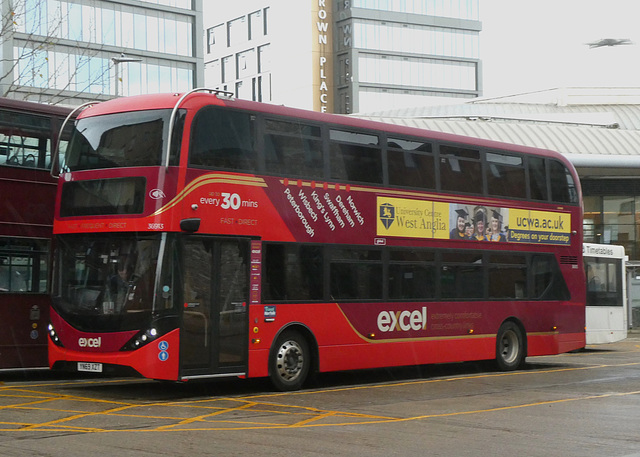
(510, 351)
(289, 361)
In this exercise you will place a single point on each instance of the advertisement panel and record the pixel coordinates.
(402, 217)
(412, 218)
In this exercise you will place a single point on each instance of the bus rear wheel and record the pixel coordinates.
(290, 361)
(510, 348)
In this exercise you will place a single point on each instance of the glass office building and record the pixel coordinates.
(406, 53)
(59, 50)
(345, 56)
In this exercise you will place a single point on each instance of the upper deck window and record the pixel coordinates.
(460, 170)
(506, 175)
(133, 139)
(563, 188)
(538, 178)
(355, 157)
(222, 138)
(411, 163)
(293, 149)
(27, 140)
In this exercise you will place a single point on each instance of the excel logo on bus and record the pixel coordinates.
(90, 342)
(402, 321)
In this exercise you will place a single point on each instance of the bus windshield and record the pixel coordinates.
(132, 139)
(106, 281)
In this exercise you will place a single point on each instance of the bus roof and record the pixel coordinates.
(168, 101)
(32, 107)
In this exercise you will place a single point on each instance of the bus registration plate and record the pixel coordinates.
(90, 367)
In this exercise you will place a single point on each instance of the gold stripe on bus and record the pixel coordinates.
(211, 179)
(239, 178)
(440, 338)
(205, 179)
(429, 338)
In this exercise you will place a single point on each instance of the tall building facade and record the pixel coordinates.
(344, 56)
(69, 51)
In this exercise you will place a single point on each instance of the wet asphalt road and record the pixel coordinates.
(579, 404)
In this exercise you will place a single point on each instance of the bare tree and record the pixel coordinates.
(41, 61)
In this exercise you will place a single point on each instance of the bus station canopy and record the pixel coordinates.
(597, 129)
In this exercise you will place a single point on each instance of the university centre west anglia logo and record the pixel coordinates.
(387, 214)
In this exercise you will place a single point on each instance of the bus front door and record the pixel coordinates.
(213, 337)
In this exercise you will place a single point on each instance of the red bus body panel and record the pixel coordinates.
(146, 360)
(26, 211)
(468, 332)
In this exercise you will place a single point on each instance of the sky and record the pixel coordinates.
(530, 45)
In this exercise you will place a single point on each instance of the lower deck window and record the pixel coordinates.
(508, 276)
(548, 283)
(462, 282)
(412, 282)
(24, 265)
(307, 273)
(293, 272)
(355, 274)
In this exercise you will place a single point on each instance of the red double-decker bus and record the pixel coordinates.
(200, 236)
(28, 135)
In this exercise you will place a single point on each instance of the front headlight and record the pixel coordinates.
(54, 336)
(141, 339)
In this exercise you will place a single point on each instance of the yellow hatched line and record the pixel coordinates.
(17, 424)
(313, 423)
(204, 417)
(78, 416)
(29, 405)
(258, 407)
(47, 396)
(308, 416)
(524, 405)
(315, 419)
(27, 388)
(430, 381)
(310, 410)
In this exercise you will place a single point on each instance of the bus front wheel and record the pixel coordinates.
(290, 361)
(510, 347)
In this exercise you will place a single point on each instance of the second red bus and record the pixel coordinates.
(28, 136)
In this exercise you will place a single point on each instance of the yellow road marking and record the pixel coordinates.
(430, 381)
(315, 419)
(206, 416)
(217, 418)
(78, 416)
